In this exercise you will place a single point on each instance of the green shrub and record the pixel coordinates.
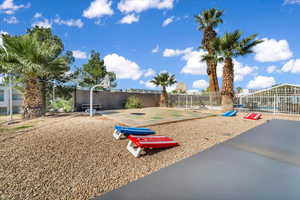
(62, 105)
(133, 102)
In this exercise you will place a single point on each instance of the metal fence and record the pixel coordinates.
(189, 101)
(279, 100)
(276, 101)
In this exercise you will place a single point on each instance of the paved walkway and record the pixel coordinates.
(263, 163)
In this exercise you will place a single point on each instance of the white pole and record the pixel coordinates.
(91, 98)
(186, 102)
(10, 100)
(91, 102)
(274, 105)
(10, 84)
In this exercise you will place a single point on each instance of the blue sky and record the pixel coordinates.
(138, 38)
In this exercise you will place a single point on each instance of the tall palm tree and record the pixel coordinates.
(28, 59)
(228, 47)
(208, 20)
(164, 80)
(55, 68)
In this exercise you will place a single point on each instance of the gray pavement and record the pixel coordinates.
(261, 164)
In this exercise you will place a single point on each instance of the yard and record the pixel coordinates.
(153, 116)
(76, 157)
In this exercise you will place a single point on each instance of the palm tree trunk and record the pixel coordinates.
(228, 85)
(214, 90)
(215, 99)
(32, 99)
(164, 98)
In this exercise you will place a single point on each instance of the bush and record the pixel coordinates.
(62, 105)
(133, 102)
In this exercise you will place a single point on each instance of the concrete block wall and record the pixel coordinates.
(114, 100)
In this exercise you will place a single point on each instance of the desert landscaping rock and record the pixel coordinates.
(77, 157)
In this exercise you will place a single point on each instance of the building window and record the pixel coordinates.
(1, 95)
(17, 97)
(3, 111)
(16, 109)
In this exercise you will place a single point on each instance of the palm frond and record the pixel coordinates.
(209, 18)
(164, 79)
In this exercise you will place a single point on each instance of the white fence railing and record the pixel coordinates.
(275, 103)
(188, 101)
(271, 103)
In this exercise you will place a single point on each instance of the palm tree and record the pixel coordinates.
(164, 80)
(208, 20)
(30, 58)
(55, 72)
(239, 90)
(228, 47)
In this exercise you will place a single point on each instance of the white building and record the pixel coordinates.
(17, 101)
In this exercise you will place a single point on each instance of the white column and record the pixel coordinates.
(10, 99)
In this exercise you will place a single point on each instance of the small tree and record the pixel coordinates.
(133, 102)
(164, 80)
(94, 71)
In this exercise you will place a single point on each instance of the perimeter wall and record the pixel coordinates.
(113, 100)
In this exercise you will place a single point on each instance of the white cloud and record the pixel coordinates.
(8, 7)
(11, 20)
(292, 66)
(272, 50)
(177, 52)
(167, 21)
(38, 15)
(171, 88)
(70, 22)
(240, 70)
(163, 71)
(156, 49)
(98, 22)
(200, 84)
(291, 1)
(3, 32)
(45, 23)
(98, 9)
(195, 66)
(124, 69)
(149, 72)
(79, 54)
(260, 82)
(147, 84)
(193, 63)
(193, 91)
(271, 69)
(127, 6)
(129, 19)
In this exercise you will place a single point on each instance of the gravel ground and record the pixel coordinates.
(77, 158)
